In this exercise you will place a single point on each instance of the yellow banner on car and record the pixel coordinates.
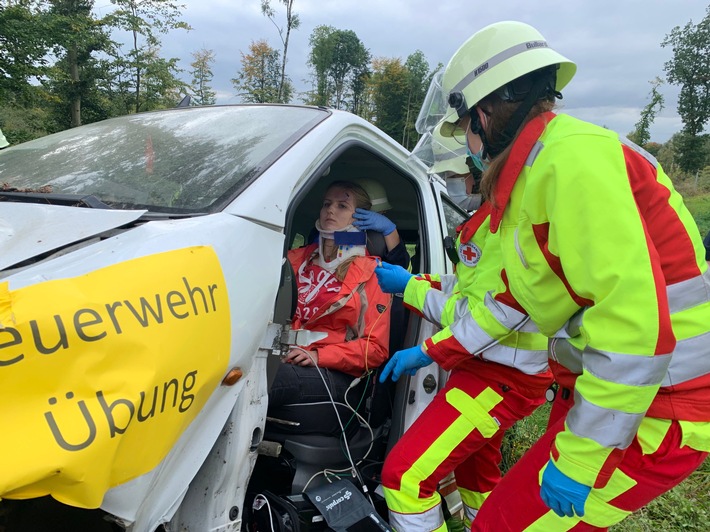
(101, 373)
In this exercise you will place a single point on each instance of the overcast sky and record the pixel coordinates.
(615, 43)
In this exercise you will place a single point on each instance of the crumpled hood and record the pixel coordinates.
(28, 229)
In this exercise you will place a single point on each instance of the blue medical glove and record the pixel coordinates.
(561, 494)
(393, 279)
(371, 220)
(408, 360)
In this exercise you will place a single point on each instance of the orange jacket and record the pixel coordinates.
(357, 319)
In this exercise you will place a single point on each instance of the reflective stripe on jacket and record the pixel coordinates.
(505, 333)
(590, 222)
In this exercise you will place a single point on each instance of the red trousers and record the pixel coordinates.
(515, 504)
(460, 431)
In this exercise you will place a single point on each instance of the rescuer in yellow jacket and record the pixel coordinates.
(487, 391)
(602, 254)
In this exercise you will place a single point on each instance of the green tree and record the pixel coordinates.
(144, 20)
(77, 37)
(202, 76)
(358, 97)
(691, 152)
(24, 45)
(292, 23)
(690, 68)
(390, 87)
(418, 79)
(319, 60)
(162, 87)
(34, 33)
(20, 124)
(641, 134)
(71, 101)
(340, 65)
(666, 156)
(260, 77)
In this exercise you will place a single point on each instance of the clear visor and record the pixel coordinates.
(434, 107)
(440, 158)
(423, 153)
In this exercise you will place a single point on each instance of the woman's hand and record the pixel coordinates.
(301, 357)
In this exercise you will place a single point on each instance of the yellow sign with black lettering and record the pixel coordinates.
(101, 373)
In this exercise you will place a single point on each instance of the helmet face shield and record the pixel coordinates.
(448, 160)
(423, 152)
(433, 108)
(441, 155)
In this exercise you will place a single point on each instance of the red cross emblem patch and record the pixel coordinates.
(469, 253)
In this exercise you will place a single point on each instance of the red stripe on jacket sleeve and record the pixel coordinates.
(670, 248)
(670, 238)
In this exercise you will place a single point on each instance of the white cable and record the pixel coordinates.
(324, 472)
(372, 439)
(363, 421)
(337, 414)
(305, 487)
(268, 507)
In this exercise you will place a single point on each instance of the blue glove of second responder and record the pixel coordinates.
(561, 494)
(374, 221)
(393, 279)
(405, 361)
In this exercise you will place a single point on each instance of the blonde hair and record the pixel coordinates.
(362, 198)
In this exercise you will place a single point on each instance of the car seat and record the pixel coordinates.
(298, 427)
(315, 451)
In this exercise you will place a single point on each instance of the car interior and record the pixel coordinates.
(304, 455)
(309, 458)
(357, 162)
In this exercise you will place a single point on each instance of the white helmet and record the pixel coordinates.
(377, 193)
(490, 60)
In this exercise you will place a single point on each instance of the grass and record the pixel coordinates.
(684, 508)
(699, 207)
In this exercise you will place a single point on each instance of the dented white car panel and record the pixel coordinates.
(192, 290)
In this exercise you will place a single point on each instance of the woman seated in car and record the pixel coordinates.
(338, 295)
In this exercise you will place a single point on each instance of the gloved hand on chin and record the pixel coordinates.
(374, 221)
(564, 496)
(393, 279)
(405, 361)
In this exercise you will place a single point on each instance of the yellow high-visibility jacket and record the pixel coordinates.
(447, 300)
(601, 252)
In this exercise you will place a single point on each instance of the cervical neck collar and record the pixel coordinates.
(343, 253)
